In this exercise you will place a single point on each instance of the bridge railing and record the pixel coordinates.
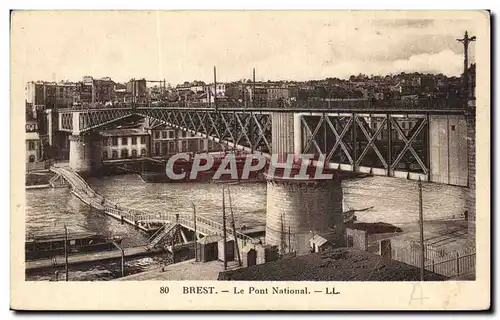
(421, 103)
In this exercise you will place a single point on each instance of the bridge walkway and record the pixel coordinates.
(138, 218)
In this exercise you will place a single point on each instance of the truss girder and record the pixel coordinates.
(249, 129)
(367, 140)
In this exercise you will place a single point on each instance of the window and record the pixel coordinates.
(32, 158)
(124, 140)
(124, 153)
(104, 141)
(115, 154)
(184, 145)
(134, 140)
(157, 134)
(184, 134)
(31, 145)
(144, 152)
(105, 155)
(114, 141)
(171, 147)
(171, 134)
(157, 149)
(164, 150)
(134, 153)
(452, 127)
(164, 134)
(202, 145)
(143, 140)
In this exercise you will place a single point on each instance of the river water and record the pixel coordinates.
(394, 201)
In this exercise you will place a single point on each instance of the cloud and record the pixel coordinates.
(186, 45)
(446, 62)
(405, 23)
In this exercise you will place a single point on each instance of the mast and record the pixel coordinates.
(234, 226)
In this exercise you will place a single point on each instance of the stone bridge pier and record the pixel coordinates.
(298, 209)
(80, 153)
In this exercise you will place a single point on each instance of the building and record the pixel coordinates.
(322, 242)
(166, 141)
(137, 91)
(427, 83)
(103, 90)
(124, 143)
(51, 94)
(84, 92)
(471, 74)
(193, 91)
(33, 143)
(277, 93)
(35, 93)
(220, 90)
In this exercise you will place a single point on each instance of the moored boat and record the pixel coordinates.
(52, 244)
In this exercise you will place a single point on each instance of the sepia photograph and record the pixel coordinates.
(237, 146)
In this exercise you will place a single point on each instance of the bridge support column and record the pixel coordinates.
(297, 134)
(50, 129)
(80, 154)
(298, 210)
(283, 133)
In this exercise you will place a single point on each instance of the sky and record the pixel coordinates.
(184, 46)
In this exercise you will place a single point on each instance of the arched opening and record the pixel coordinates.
(134, 153)
(105, 155)
(32, 158)
(124, 153)
(115, 154)
(144, 152)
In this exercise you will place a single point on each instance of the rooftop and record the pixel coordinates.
(343, 264)
(123, 132)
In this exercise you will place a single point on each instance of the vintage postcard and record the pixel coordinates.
(250, 160)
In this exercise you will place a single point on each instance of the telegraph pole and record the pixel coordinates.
(195, 235)
(215, 88)
(421, 224)
(224, 227)
(253, 89)
(466, 40)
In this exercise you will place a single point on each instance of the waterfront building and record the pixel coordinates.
(166, 141)
(33, 143)
(124, 143)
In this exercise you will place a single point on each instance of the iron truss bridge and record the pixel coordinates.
(350, 137)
